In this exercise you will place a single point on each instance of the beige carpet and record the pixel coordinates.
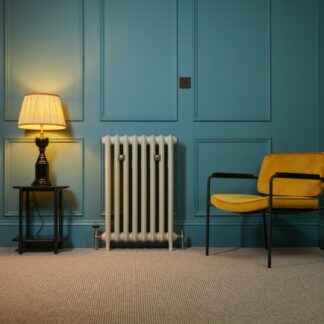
(157, 286)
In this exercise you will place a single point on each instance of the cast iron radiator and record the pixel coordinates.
(139, 189)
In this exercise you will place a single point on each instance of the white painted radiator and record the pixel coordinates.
(139, 189)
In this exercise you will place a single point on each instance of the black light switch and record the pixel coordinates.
(185, 82)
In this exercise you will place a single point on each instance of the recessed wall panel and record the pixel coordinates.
(232, 60)
(139, 60)
(65, 158)
(44, 53)
(227, 155)
(2, 69)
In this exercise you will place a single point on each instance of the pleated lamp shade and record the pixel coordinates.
(41, 111)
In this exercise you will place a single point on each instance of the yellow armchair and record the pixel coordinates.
(287, 183)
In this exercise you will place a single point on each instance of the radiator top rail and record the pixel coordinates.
(135, 139)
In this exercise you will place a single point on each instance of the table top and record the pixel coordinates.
(40, 188)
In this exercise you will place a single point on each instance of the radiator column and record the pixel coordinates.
(143, 234)
(116, 235)
(170, 191)
(108, 190)
(161, 163)
(125, 192)
(134, 189)
(152, 189)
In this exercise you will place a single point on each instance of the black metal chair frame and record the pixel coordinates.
(270, 211)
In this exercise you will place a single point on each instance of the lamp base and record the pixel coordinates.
(41, 165)
(41, 182)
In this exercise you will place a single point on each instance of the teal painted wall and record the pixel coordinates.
(116, 64)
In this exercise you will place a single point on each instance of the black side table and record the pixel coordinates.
(57, 238)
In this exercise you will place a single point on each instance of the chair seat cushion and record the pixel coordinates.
(240, 203)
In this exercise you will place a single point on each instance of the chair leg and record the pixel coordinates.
(265, 231)
(207, 228)
(208, 213)
(269, 236)
(270, 221)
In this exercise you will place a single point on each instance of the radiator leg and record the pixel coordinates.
(181, 237)
(182, 240)
(96, 236)
(171, 245)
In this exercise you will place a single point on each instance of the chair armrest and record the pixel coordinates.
(233, 175)
(292, 175)
(226, 175)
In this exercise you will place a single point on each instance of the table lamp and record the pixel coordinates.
(41, 111)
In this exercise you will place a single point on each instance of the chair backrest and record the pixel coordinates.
(292, 162)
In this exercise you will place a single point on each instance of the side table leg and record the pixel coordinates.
(60, 219)
(55, 221)
(20, 238)
(27, 215)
